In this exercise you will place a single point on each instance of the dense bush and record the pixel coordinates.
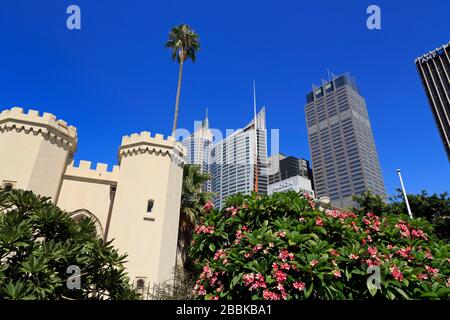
(281, 247)
(435, 208)
(38, 242)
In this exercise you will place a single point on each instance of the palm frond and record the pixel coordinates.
(182, 39)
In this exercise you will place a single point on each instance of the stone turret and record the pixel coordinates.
(146, 210)
(136, 203)
(35, 150)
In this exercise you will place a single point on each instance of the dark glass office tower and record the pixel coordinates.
(434, 70)
(285, 167)
(292, 166)
(343, 154)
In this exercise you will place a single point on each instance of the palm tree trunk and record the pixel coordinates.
(177, 101)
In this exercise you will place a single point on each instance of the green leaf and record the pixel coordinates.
(309, 291)
(348, 274)
(390, 295)
(402, 293)
(235, 280)
(212, 247)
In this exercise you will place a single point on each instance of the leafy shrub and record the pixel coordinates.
(38, 242)
(435, 208)
(281, 247)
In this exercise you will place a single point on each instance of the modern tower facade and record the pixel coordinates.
(344, 158)
(273, 168)
(289, 173)
(239, 162)
(434, 70)
(282, 167)
(198, 146)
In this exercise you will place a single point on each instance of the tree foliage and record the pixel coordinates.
(183, 42)
(369, 202)
(192, 201)
(39, 241)
(435, 208)
(281, 247)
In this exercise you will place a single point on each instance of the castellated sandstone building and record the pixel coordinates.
(137, 203)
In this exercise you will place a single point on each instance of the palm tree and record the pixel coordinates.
(192, 201)
(184, 43)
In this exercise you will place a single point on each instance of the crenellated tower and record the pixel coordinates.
(146, 210)
(136, 203)
(34, 150)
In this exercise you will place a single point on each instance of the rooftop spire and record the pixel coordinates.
(205, 122)
(255, 125)
(254, 104)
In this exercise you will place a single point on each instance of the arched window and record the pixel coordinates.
(81, 214)
(140, 284)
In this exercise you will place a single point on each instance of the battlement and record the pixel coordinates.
(136, 141)
(100, 173)
(47, 123)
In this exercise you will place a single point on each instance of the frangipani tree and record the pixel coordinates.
(281, 247)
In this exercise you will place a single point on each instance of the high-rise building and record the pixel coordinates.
(434, 70)
(289, 173)
(239, 161)
(282, 167)
(344, 158)
(198, 146)
(273, 168)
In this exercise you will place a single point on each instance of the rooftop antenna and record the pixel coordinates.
(254, 103)
(329, 74)
(255, 125)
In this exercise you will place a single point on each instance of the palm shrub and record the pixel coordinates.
(191, 208)
(39, 241)
(281, 247)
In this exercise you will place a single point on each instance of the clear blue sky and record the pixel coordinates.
(114, 77)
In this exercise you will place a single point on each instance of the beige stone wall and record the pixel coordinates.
(34, 150)
(150, 169)
(88, 191)
(36, 153)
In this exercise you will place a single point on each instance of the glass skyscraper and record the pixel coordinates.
(434, 70)
(344, 158)
(282, 167)
(198, 147)
(233, 160)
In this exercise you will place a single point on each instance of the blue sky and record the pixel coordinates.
(113, 77)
